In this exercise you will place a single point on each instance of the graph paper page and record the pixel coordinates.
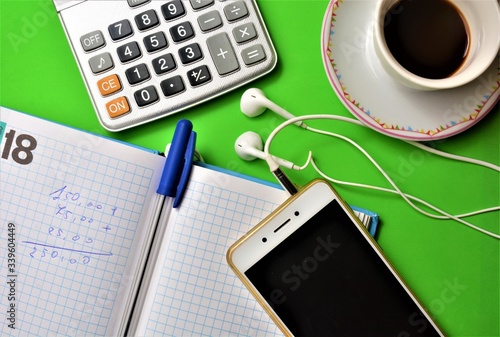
(194, 292)
(73, 225)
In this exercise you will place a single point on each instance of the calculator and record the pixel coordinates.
(146, 59)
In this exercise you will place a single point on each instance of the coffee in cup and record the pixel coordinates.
(437, 44)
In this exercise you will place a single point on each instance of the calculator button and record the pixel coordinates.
(135, 3)
(199, 76)
(164, 64)
(236, 11)
(190, 53)
(172, 86)
(137, 74)
(117, 107)
(145, 59)
(244, 33)
(109, 85)
(155, 42)
(209, 21)
(173, 10)
(199, 4)
(101, 63)
(128, 52)
(146, 96)
(253, 55)
(182, 32)
(147, 20)
(120, 30)
(222, 53)
(92, 40)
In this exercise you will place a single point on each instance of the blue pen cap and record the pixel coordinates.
(175, 159)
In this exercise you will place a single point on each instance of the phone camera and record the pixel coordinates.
(296, 213)
(264, 240)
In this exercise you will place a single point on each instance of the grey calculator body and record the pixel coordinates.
(146, 59)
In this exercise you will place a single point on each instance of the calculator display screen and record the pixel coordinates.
(326, 279)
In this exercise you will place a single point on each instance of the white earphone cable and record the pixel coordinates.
(388, 190)
(453, 156)
(396, 190)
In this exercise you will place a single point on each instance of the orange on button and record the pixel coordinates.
(109, 85)
(117, 107)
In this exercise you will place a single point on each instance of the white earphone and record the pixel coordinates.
(254, 103)
(249, 147)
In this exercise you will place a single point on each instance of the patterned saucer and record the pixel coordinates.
(377, 100)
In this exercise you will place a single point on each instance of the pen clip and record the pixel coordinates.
(177, 162)
(186, 170)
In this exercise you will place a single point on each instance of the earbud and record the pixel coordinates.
(254, 102)
(249, 146)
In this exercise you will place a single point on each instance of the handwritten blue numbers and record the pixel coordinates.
(61, 234)
(62, 194)
(55, 253)
(68, 202)
(71, 246)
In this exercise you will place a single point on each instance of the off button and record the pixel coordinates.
(92, 40)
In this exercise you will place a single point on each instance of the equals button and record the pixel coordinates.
(253, 55)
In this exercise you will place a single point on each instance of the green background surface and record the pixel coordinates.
(453, 270)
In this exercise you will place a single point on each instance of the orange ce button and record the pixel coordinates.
(109, 85)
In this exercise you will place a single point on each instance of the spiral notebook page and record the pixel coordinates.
(70, 208)
(195, 293)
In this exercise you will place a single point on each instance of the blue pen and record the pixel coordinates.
(173, 182)
(179, 162)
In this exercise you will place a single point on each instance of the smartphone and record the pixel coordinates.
(317, 271)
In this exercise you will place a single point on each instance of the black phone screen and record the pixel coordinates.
(326, 280)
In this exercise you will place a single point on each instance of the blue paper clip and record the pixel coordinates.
(179, 162)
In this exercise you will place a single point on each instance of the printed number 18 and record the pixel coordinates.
(22, 147)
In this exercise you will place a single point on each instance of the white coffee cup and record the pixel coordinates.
(482, 18)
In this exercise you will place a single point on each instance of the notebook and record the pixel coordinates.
(77, 217)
